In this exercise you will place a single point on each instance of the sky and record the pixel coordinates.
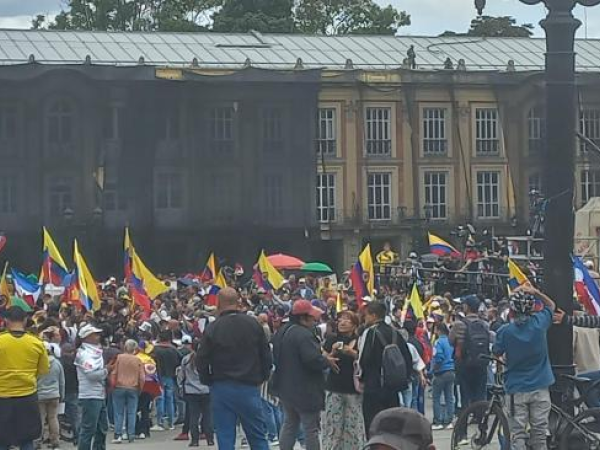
(429, 17)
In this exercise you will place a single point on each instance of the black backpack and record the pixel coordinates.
(476, 344)
(394, 369)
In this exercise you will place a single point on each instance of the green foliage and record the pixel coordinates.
(269, 16)
(488, 26)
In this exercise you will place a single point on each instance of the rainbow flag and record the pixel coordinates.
(54, 269)
(440, 247)
(86, 286)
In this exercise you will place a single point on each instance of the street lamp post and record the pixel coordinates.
(560, 26)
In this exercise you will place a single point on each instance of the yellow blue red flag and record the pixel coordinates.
(88, 290)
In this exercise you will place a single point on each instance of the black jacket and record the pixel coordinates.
(299, 377)
(372, 351)
(234, 348)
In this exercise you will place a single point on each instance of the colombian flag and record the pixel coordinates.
(362, 275)
(439, 247)
(209, 273)
(86, 286)
(274, 280)
(143, 285)
(4, 290)
(218, 282)
(414, 303)
(516, 275)
(54, 269)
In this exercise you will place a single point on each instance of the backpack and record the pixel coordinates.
(421, 343)
(394, 369)
(477, 343)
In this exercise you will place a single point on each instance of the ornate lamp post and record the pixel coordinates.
(560, 26)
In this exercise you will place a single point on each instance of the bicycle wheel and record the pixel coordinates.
(482, 427)
(583, 433)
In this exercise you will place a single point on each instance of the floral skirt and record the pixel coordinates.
(342, 421)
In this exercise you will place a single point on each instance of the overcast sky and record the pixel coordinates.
(429, 17)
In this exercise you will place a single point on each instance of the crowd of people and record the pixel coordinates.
(307, 363)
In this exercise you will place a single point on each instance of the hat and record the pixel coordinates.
(305, 308)
(413, 255)
(88, 330)
(400, 429)
(472, 301)
(186, 339)
(302, 280)
(164, 316)
(435, 304)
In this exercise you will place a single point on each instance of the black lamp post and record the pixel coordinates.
(560, 26)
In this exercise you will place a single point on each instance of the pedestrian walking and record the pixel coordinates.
(234, 359)
(443, 379)
(51, 391)
(167, 360)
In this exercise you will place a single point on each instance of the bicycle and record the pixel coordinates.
(485, 424)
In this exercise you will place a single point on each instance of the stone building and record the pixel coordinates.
(301, 144)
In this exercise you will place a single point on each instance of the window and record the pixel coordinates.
(535, 182)
(60, 122)
(170, 124)
(113, 122)
(379, 131)
(379, 187)
(220, 128)
(60, 191)
(8, 194)
(222, 192)
(488, 195)
(326, 197)
(169, 190)
(537, 130)
(273, 196)
(113, 196)
(8, 122)
(326, 131)
(487, 141)
(436, 189)
(434, 131)
(590, 185)
(589, 126)
(272, 128)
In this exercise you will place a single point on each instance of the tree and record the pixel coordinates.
(488, 26)
(348, 17)
(268, 16)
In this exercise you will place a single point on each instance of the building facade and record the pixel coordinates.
(307, 145)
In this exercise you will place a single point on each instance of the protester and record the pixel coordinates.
(299, 362)
(343, 424)
(197, 401)
(470, 337)
(528, 372)
(234, 359)
(443, 379)
(167, 360)
(150, 391)
(378, 335)
(51, 391)
(400, 429)
(67, 360)
(23, 358)
(128, 378)
(91, 375)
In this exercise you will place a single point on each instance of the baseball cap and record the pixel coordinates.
(305, 308)
(15, 314)
(472, 301)
(400, 429)
(186, 339)
(88, 330)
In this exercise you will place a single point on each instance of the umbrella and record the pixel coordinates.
(281, 261)
(316, 267)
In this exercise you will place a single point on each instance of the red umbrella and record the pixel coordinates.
(281, 261)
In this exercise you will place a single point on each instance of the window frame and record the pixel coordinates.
(446, 193)
(442, 125)
(164, 201)
(218, 141)
(328, 142)
(495, 138)
(483, 203)
(326, 213)
(389, 144)
(376, 211)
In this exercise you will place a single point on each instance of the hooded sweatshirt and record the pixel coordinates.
(91, 372)
(52, 385)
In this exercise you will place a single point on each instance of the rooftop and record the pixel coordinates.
(279, 51)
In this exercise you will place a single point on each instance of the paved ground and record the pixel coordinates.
(164, 441)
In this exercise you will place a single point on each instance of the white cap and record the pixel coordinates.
(302, 280)
(87, 330)
(186, 339)
(435, 304)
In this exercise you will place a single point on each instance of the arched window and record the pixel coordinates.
(60, 122)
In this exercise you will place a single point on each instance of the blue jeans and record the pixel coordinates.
(406, 397)
(273, 418)
(443, 384)
(24, 446)
(418, 396)
(94, 424)
(125, 403)
(72, 412)
(232, 401)
(165, 405)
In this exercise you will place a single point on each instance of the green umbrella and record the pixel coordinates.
(19, 302)
(316, 267)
